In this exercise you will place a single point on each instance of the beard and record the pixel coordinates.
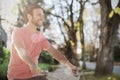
(37, 23)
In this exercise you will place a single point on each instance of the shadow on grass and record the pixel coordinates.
(92, 77)
(3, 78)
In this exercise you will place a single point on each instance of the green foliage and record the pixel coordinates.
(4, 62)
(117, 52)
(111, 14)
(1, 60)
(45, 66)
(116, 10)
(6, 53)
(3, 69)
(109, 77)
(45, 57)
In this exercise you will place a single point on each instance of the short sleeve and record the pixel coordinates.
(17, 36)
(45, 43)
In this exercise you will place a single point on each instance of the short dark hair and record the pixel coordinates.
(29, 9)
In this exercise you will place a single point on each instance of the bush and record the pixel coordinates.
(45, 57)
(92, 77)
(4, 63)
(48, 67)
(117, 53)
(7, 53)
(3, 69)
(1, 60)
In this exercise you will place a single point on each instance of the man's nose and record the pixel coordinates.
(42, 18)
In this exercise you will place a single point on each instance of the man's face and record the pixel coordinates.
(37, 17)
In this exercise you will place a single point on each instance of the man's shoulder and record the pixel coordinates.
(18, 29)
(41, 34)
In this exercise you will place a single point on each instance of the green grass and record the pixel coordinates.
(3, 68)
(45, 66)
(109, 77)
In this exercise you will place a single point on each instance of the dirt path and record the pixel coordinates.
(62, 73)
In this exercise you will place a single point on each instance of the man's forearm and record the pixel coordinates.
(25, 57)
(57, 55)
(28, 60)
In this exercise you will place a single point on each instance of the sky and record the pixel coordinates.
(8, 10)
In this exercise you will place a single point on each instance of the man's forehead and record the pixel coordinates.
(39, 10)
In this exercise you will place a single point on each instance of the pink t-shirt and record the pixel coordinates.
(34, 44)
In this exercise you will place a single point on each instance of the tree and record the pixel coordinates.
(72, 24)
(81, 27)
(21, 6)
(109, 27)
(65, 19)
(0, 38)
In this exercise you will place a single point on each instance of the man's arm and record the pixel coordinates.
(58, 56)
(23, 54)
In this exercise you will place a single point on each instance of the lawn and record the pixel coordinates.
(46, 66)
(3, 69)
(92, 77)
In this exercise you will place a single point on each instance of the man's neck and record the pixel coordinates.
(31, 27)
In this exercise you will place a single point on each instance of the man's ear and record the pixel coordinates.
(29, 17)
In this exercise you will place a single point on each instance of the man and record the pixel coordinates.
(27, 44)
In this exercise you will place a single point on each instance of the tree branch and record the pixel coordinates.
(61, 19)
(85, 2)
(95, 3)
(1, 19)
(61, 8)
(62, 31)
(71, 14)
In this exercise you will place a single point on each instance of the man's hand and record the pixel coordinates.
(62, 59)
(35, 70)
(73, 68)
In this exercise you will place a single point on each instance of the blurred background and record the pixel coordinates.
(87, 32)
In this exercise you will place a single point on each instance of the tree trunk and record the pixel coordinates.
(0, 39)
(81, 27)
(69, 53)
(109, 27)
(83, 49)
(69, 50)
